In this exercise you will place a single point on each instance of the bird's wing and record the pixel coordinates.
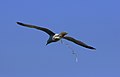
(78, 42)
(36, 27)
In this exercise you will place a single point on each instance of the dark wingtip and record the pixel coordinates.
(19, 23)
(92, 48)
(89, 47)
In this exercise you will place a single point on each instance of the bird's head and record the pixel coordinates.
(62, 34)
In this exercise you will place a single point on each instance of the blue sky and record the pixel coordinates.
(23, 52)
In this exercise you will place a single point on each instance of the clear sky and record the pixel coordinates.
(23, 52)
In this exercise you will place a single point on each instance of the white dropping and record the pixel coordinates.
(73, 52)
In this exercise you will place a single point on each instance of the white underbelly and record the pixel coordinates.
(56, 37)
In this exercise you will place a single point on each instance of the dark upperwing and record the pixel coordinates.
(36, 27)
(78, 42)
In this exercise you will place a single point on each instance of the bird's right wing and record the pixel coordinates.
(36, 27)
(77, 42)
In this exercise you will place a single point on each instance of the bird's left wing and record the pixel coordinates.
(78, 42)
(36, 27)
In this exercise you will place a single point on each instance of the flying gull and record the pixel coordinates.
(56, 37)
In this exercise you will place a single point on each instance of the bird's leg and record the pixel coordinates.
(73, 52)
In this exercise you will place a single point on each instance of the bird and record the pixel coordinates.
(53, 37)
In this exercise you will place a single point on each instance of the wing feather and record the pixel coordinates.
(78, 42)
(36, 27)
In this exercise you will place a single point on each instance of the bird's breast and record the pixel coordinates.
(56, 37)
